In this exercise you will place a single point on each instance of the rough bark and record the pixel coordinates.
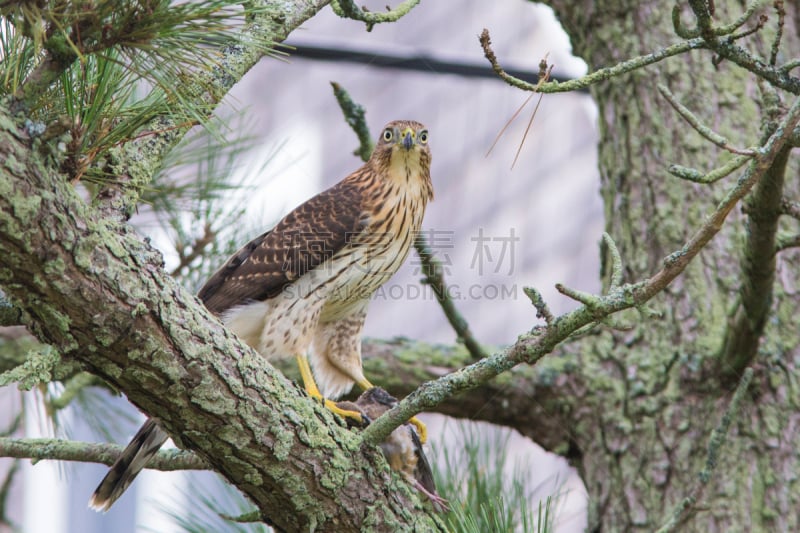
(642, 404)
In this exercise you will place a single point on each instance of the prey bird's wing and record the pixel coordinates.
(304, 239)
(423, 472)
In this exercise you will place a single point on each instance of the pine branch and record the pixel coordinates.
(93, 452)
(349, 9)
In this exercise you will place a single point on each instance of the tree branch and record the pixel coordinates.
(198, 247)
(721, 40)
(93, 452)
(749, 315)
(690, 174)
(349, 9)
(434, 277)
(355, 116)
(590, 79)
(529, 399)
(531, 347)
(698, 126)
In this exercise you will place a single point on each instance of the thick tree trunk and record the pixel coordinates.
(646, 400)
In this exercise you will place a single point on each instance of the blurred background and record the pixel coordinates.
(496, 229)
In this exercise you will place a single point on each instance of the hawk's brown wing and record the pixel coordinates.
(300, 242)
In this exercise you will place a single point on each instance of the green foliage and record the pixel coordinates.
(95, 75)
(17, 57)
(473, 478)
(96, 101)
(159, 39)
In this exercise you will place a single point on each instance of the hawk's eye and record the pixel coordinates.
(423, 136)
(388, 134)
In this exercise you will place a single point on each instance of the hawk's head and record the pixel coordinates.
(402, 152)
(405, 139)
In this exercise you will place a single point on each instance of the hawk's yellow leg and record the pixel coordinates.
(313, 391)
(422, 431)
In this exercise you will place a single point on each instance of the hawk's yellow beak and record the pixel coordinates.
(408, 136)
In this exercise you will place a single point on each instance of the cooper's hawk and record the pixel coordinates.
(306, 283)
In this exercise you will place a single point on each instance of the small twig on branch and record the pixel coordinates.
(687, 507)
(762, 21)
(699, 127)
(726, 48)
(590, 300)
(690, 174)
(686, 33)
(616, 260)
(590, 79)
(532, 347)
(790, 208)
(790, 65)
(349, 9)
(354, 115)
(542, 311)
(93, 452)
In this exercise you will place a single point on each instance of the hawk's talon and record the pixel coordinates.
(347, 414)
(422, 430)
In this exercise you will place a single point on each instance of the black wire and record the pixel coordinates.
(417, 63)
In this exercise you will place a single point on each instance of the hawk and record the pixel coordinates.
(302, 289)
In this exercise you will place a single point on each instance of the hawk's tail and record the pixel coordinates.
(141, 448)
